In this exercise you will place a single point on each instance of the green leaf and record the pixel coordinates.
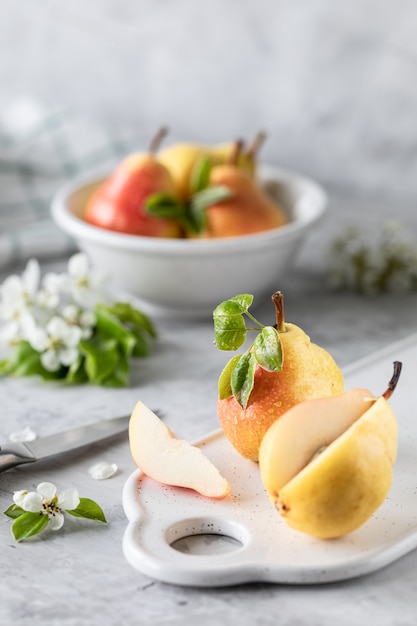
(267, 348)
(207, 197)
(29, 524)
(119, 377)
(200, 174)
(224, 384)
(14, 511)
(133, 318)
(88, 509)
(243, 376)
(141, 348)
(101, 358)
(164, 205)
(110, 326)
(25, 361)
(229, 324)
(76, 373)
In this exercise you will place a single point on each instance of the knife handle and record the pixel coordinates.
(14, 454)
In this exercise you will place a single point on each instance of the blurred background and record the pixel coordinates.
(332, 84)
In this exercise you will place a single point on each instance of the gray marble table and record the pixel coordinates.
(79, 576)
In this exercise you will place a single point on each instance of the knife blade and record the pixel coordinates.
(12, 454)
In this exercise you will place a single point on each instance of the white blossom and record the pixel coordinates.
(57, 342)
(85, 319)
(46, 501)
(17, 298)
(87, 285)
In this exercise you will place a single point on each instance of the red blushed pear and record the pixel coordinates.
(307, 371)
(119, 204)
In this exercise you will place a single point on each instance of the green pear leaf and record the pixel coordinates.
(229, 324)
(267, 348)
(224, 384)
(200, 174)
(243, 377)
(164, 205)
(200, 201)
(212, 195)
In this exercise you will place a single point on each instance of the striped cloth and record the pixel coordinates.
(40, 149)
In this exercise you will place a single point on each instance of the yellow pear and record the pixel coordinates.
(162, 456)
(327, 463)
(308, 371)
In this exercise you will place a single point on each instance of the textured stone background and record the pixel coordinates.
(333, 84)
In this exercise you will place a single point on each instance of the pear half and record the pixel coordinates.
(327, 464)
(162, 456)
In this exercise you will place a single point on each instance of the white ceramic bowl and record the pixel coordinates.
(181, 277)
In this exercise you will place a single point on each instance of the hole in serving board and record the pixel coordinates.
(206, 536)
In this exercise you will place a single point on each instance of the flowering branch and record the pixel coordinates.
(34, 511)
(67, 327)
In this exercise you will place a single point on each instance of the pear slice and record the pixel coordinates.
(162, 456)
(327, 463)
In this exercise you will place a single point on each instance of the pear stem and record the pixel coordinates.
(394, 380)
(236, 150)
(156, 141)
(256, 144)
(278, 300)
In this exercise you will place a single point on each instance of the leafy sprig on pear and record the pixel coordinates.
(230, 330)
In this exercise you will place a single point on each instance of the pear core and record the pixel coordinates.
(332, 493)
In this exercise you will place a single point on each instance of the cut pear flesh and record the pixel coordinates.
(307, 429)
(332, 493)
(162, 456)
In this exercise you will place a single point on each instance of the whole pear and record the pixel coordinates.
(248, 210)
(327, 464)
(119, 203)
(308, 371)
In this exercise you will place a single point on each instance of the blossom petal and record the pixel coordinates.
(56, 521)
(19, 496)
(47, 490)
(27, 434)
(68, 356)
(78, 265)
(102, 470)
(31, 277)
(32, 502)
(73, 336)
(57, 327)
(69, 499)
(50, 360)
(37, 337)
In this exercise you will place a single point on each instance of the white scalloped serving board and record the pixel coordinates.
(177, 536)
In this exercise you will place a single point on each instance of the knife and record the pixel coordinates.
(18, 453)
